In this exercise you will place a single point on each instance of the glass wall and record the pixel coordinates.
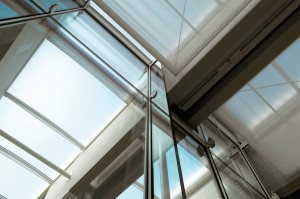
(81, 115)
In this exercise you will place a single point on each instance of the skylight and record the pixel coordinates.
(272, 92)
(64, 92)
(173, 31)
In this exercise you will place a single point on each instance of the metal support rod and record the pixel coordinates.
(34, 154)
(149, 185)
(222, 129)
(25, 164)
(45, 120)
(22, 19)
(216, 174)
(255, 174)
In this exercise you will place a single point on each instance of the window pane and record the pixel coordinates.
(185, 27)
(198, 178)
(158, 86)
(17, 182)
(121, 167)
(106, 46)
(65, 93)
(166, 177)
(34, 134)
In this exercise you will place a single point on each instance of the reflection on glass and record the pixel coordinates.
(17, 182)
(107, 47)
(198, 178)
(64, 92)
(158, 86)
(122, 167)
(166, 177)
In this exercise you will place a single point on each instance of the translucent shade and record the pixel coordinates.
(173, 31)
(17, 182)
(60, 89)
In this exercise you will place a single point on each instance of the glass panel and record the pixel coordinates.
(107, 47)
(17, 182)
(279, 126)
(230, 155)
(166, 177)
(198, 178)
(289, 61)
(186, 27)
(67, 94)
(122, 167)
(158, 86)
(34, 134)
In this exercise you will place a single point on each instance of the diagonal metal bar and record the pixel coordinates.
(45, 120)
(25, 164)
(34, 154)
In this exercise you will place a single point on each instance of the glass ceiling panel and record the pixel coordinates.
(248, 108)
(17, 182)
(106, 46)
(36, 135)
(289, 60)
(65, 93)
(268, 77)
(173, 31)
(272, 92)
(28, 158)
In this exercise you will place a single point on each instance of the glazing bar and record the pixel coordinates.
(34, 154)
(45, 120)
(25, 164)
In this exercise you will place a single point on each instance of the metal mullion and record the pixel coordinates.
(22, 19)
(34, 154)
(25, 164)
(266, 192)
(245, 158)
(215, 171)
(220, 186)
(149, 185)
(45, 120)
